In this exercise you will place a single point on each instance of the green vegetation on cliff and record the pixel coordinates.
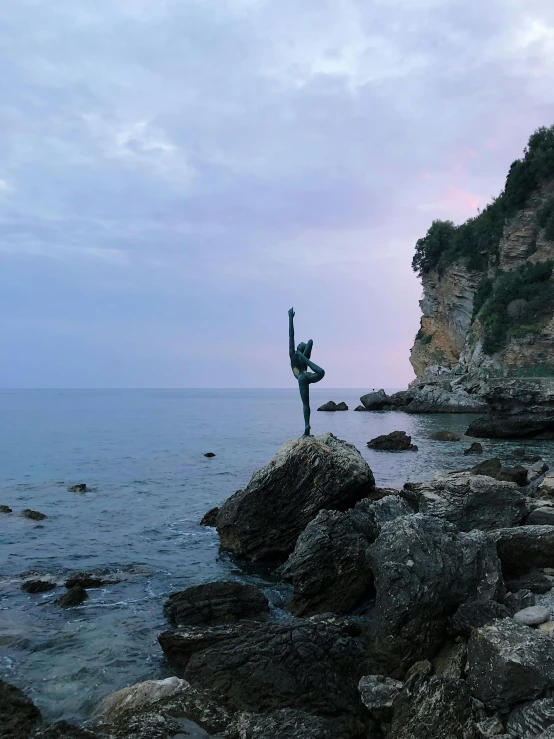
(476, 241)
(513, 303)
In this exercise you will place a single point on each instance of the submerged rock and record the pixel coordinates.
(306, 475)
(396, 441)
(209, 454)
(216, 603)
(79, 488)
(38, 586)
(5, 509)
(469, 501)
(446, 436)
(210, 517)
(74, 597)
(33, 515)
(509, 663)
(87, 580)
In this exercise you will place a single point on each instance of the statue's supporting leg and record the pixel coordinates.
(304, 385)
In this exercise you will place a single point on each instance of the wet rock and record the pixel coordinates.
(74, 597)
(80, 488)
(445, 435)
(342, 406)
(378, 693)
(513, 474)
(306, 475)
(530, 720)
(179, 645)
(210, 517)
(38, 586)
(477, 613)
(18, 714)
(328, 569)
(475, 448)
(332, 406)
(5, 509)
(433, 707)
(524, 548)
(375, 401)
(509, 663)
(489, 468)
(33, 515)
(525, 455)
(170, 697)
(543, 516)
(424, 568)
(515, 602)
(360, 408)
(397, 441)
(468, 501)
(216, 603)
(532, 616)
(284, 724)
(312, 666)
(209, 454)
(536, 582)
(88, 580)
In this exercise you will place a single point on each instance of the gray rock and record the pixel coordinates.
(312, 666)
(477, 613)
(378, 693)
(306, 475)
(382, 511)
(179, 645)
(474, 448)
(396, 441)
(328, 569)
(18, 714)
(543, 516)
(74, 597)
(443, 398)
(489, 468)
(468, 501)
(536, 582)
(433, 707)
(509, 663)
(423, 569)
(360, 408)
(489, 728)
(5, 509)
(525, 455)
(329, 406)
(375, 401)
(514, 474)
(530, 720)
(210, 517)
(64, 730)
(33, 515)
(38, 586)
(450, 661)
(524, 548)
(422, 668)
(283, 724)
(446, 435)
(536, 470)
(515, 602)
(342, 406)
(532, 616)
(216, 603)
(79, 488)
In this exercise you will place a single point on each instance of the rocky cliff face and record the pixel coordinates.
(450, 334)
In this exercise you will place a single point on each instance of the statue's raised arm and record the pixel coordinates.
(291, 333)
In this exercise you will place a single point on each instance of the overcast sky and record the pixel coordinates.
(175, 174)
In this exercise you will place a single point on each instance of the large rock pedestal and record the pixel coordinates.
(306, 475)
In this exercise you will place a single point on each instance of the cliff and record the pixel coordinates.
(488, 287)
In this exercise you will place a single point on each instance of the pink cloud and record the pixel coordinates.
(461, 200)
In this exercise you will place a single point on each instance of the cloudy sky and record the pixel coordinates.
(175, 174)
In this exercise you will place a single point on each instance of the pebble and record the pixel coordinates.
(532, 616)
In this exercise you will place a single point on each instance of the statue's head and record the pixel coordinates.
(301, 347)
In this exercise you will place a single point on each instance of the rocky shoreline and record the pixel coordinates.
(413, 613)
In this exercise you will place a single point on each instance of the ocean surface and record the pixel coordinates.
(141, 453)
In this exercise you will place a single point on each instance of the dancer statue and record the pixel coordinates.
(299, 362)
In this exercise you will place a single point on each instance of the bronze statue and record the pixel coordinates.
(300, 362)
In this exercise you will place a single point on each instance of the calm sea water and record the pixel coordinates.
(141, 452)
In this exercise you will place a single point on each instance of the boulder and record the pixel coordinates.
(33, 515)
(5, 509)
(525, 455)
(514, 474)
(375, 401)
(535, 581)
(88, 580)
(423, 569)
(329, 406)
(450, 661)
(469, 501)
(171, 697)
(529, 720)
(74, 597)
(396, 441)
(433, 707)
(284, 724)
(445, 435)
(474, 448)
(180, 644)
(18, 714)
(360, 408)
(64, 730)
(524, 548)
(532, 616)
(312, 666)
(382, 511)
(378, 693)
(38, 586)
(210, 517)
(79, 488)
(509, 663)
(342, 406)
(489, 468)
(443, 397)
(306, 475)
(543, 516)
(536, 470)
(477, 613)
(328, 569)
(515, 602)
(216, 603)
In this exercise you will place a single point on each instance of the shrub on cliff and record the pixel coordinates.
(476, 241)
(545, 217)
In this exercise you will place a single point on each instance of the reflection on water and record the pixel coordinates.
(141, 453)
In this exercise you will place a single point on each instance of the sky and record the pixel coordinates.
(176, 174)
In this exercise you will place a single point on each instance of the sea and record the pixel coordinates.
(141, 455)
